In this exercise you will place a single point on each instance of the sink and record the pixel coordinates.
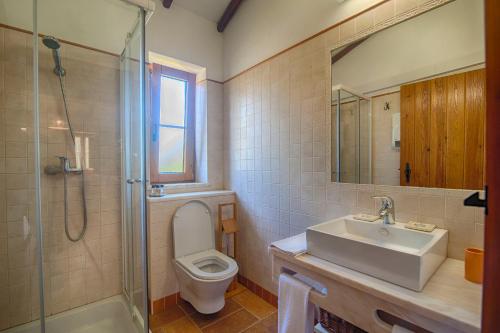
(389, 252)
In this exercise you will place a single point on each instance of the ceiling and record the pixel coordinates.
(209, 9)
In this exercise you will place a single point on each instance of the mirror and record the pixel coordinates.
(408, 102)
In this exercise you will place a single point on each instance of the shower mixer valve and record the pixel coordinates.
(66, 165)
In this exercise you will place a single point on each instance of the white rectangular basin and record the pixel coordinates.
(389, 252)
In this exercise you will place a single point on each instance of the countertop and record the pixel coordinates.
(447, 296)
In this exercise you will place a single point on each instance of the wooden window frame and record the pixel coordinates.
(189, 137)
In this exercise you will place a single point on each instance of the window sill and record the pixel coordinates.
(176, 186)
(186, 187)
(190, 195)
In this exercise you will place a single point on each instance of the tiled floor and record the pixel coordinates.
(244, 312)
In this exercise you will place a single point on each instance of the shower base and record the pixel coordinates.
(110, 315)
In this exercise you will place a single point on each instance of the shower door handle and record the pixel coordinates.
(132, 181)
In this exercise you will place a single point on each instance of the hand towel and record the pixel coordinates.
(293, 245)
(295, 312)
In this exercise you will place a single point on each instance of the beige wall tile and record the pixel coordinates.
(288, 99)
(384, 12)
(75, 273)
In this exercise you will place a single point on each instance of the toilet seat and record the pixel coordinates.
(209, 265)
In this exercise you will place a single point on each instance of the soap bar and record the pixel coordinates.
(366, 217)
(427, 227)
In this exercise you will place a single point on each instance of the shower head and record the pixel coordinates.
(53, 44)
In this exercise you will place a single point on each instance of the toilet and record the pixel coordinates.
(204, 274)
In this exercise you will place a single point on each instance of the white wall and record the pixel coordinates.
(181, 34)
(446, 39)
(262, 28)
(102, 24)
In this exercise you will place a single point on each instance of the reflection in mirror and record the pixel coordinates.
(351, 120)
(410, 111)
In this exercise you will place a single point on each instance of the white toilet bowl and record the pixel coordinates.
(203, 272)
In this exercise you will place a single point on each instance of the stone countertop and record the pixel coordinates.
(447, 297)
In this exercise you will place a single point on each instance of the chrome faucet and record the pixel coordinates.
(66, 165)
(387, 212)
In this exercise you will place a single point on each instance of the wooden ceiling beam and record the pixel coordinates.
(167, 3)
(230, 10)
(342, 53)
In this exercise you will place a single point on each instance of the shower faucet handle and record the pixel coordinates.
(66, 165)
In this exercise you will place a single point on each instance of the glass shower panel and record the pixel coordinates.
(132, 111)
(365, 142)
(19, 264)
(79, 77)
(349, 139)
(60, 166)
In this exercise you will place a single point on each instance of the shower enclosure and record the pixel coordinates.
(351, 136)
(72, 166)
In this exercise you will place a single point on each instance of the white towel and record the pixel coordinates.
(295, 312)
(293, 245)
(399, 329)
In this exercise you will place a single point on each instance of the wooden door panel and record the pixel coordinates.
(474, 129)
(407, 137)
(455, 134)
(491, 287)
(420, 169)
(437, 158)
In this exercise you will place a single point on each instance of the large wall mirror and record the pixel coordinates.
(410, 111)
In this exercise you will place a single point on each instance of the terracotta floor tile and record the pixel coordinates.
(186, 306)
(202, 320)
(268, 325)
(239, 289)
(234, 323)
(166, 317)
(183, 325)
(254, 304)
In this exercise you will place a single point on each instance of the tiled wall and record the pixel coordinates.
(75, 273)
(162, 279)
(385, 158)
(277, 151)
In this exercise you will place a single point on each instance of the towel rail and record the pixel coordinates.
(317, 288)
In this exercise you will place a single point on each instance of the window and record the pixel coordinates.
(172, 125)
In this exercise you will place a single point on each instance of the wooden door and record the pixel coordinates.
(455, 131)
(437, 140)
(422, 134)
(491, 287)
(475, 104)
(442, 132)
(407, 137)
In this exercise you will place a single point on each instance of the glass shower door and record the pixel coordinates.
(20, 212)
(133, 169)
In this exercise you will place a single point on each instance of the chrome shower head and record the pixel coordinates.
(53, 44)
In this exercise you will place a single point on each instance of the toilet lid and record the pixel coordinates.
(193, 230)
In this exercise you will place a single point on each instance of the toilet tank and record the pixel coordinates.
(193, 230)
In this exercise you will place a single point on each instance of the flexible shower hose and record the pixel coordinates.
(82, 176)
